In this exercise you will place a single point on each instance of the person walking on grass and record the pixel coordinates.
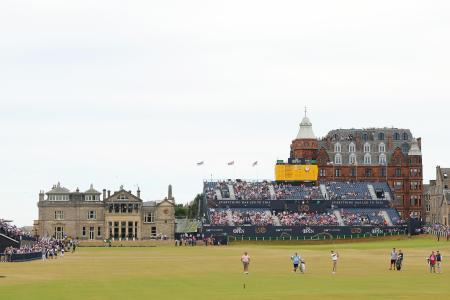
(245, 259)
(334, 259)
(432, 262)
(295, 261)
(394, 256)
(438, 261)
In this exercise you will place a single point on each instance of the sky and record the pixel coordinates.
(135, 93)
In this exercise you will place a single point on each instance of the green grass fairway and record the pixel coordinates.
(215, 273)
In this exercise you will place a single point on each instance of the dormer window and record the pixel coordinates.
(381, 136)
(365, 137)
(337, 147)
(405, 136)
(352, 147)
(396, 136)
(366, 147)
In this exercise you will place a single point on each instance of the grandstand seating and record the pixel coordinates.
(266, 190)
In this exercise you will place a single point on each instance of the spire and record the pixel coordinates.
(306, 131)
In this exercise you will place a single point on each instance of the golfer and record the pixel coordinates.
(394, 257)
(334, 259)
(438, 261)
(245, 259)
(296, 261)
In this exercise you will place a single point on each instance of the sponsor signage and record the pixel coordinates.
(300, 231)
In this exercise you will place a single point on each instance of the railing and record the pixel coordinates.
(319, 237)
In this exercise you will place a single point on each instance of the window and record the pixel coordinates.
(59, 232)
(92, 215)
(381, 136)
(414, 185)
(382, 159)
(413, 172)
(99, 231)
(368, 172)
(405, 148)
(59, 215)
(148, 217)
(91, 197)
(352, 159)
(366, 147)
(337, 147)
(365, 137)
(322, 173)
(153, 232)
(337, 172)
(58, 197)
(398, 184)
(338, 159)
(367, 159)
(398, 172)
(428, 207)
(396, 136)
(383, 172)
(351, 147)
(381, 148)
(405, 136)
(84, 231)
(353, 172)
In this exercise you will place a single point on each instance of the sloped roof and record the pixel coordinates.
(58, 189)
(91, 190)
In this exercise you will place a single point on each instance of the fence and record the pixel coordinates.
(318, 237)
(21, 257)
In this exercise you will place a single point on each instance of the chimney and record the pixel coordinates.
(109, 193)
(104, 194)
(41, 195)
(169, 192)
(139, 193)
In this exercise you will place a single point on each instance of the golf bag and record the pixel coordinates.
(302, 266)
(398, 264)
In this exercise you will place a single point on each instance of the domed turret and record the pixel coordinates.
(305, 131)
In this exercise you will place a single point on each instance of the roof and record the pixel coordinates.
(414, 150)
(305, 131)
(58, 189)
(91, 190)
(149, 203)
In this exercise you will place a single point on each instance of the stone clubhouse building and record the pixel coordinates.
(92, 215)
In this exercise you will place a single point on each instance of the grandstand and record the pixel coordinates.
(272, 207)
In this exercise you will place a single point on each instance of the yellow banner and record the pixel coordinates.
(296, 172)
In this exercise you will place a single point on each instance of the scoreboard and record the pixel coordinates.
(293, 172)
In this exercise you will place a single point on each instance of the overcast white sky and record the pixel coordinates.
(136, 92)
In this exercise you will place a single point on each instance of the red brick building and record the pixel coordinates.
(373, 154)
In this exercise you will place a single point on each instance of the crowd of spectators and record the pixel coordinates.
(302, 192)
(363, 218)
(298, 218)
(244, 190)
(11, 230)
(252, 217)
(49, 248)
(347, 190)
(219, 217)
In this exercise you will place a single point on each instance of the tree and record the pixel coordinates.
(181, 211)
(193, 207)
